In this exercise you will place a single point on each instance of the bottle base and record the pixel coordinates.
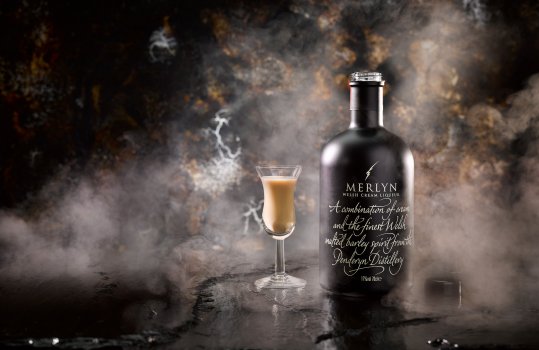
(371, 295)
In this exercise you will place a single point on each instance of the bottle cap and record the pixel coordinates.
(366, 76)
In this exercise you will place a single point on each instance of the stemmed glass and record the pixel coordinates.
(279, 218)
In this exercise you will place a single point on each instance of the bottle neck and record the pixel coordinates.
(366, 106)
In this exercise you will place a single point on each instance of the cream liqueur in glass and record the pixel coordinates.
(279, 219)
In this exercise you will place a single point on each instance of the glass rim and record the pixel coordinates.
(278, 166)
(291, 171)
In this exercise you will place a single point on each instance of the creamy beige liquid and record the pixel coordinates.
(278, 213)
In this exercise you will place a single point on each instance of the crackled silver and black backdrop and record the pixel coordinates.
(129, 131)
(366, 199)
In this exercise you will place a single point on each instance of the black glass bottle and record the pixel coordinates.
(366, 199)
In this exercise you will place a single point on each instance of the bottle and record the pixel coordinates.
(366, 199)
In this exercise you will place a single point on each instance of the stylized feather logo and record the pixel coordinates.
(369, 171)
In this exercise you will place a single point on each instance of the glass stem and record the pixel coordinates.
(279, 258)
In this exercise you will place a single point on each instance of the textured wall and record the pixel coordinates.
(129, 130)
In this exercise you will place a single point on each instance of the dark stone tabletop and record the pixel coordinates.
(226, 311)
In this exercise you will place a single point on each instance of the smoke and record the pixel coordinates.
(163, 44)
(274, 90)
(222, 171)
(132, 225)
(475, 196)
(478, 10)
(92, 227)
(482, 226)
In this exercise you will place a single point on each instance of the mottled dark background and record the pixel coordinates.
(129, 132)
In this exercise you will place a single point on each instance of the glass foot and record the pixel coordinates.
(280, 282)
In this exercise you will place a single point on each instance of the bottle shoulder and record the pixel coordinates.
(356, 142)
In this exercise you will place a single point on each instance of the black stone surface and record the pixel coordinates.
(227, 311)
